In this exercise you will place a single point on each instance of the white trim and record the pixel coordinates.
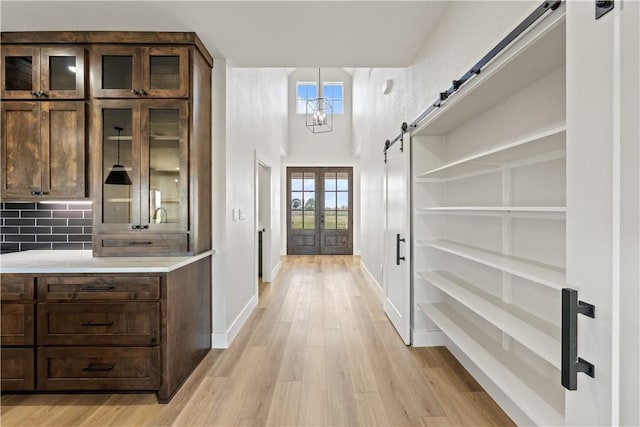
(505, 403)
(224, 339)
(276, 270)
(379, 291)
(425, 338)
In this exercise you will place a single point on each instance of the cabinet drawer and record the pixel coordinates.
(124, 324)
(98, 368)
(17, 369)
(142, 245)
(16, 323)
(16, 288)
(98, 288)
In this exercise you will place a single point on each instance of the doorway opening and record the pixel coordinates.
(319, 210)
(263, 225)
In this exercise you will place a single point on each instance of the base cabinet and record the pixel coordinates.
(105, 332)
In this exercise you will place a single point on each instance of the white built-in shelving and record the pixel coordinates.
(488, 221)
(499, 364)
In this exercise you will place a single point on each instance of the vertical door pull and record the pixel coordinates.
(398, 257)
(571, 363)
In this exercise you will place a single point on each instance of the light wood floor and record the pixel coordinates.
(318, 351)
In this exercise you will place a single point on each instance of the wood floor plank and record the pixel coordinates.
(318, 351)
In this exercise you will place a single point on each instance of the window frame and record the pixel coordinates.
(304, 83)
(335, 83)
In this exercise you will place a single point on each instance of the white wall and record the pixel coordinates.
(465, 32)
(322, 149)
(255, 104)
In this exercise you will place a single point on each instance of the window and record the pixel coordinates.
(305, 91)
(333, 91)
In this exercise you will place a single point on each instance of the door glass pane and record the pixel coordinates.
(309, 201)
(117, 72)
(343, 200)
(309, 181)
(296, 200)
(342, 220)
(330, 181)
(18, 73)
(62, 72)
(309, 220)
(296, 220)
(343, 182)
(164, 166)
(329, 220)
(117, 166)
(330, 200)
(296, 181)
(165, 72)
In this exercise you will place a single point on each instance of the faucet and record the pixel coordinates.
(157, 214)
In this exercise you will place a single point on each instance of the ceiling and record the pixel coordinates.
(254, 33)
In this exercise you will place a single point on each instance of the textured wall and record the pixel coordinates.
(28, 226)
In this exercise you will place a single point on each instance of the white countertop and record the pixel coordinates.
(31, 262)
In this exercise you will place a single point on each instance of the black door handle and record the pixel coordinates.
(98, 323)
(398, 257)
(571, 363)
(97, 367)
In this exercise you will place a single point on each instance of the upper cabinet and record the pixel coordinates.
(30, 72)
(122, 71)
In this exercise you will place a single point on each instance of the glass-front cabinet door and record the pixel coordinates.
(165, 72)
(115, 72)
(165, 184)
(42, 73)
(119, 166)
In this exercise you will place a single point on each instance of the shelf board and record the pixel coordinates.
(496, 363)
(503, 77)
(549, 140)
(496, 208)
(536, 272)
(501, 315)
(120, 138)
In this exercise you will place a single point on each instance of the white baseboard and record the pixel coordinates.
(507, 405)
(377, 288)
(426, 338)
(224, 339)
(276, 270)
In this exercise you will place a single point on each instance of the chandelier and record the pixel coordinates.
(319, 116)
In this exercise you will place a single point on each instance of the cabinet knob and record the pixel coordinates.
(135, 92)
(34, 93)
(142, 92)
(43, 94)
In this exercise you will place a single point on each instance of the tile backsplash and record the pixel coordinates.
(27, 225)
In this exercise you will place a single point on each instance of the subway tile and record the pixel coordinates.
(66, 230)
(9, 214)
(87, 214)
(20, 205)
(32, 246)
(6, 248)
(88, 230)
(19, 238)
(67, 214)
(52, 237)
(61, 222)
(35, 214)
(35, 230)
(80, 221)
(74, 246)
(87, 246)
(79, 237)
(20, 221)
(52, 206)
(9, 230)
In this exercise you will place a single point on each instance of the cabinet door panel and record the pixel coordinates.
(17, 369)
(63, 142)
(98, 288)
(165, 72)
(16, 324)
(115, 72)
(16, 287)
(20, 72)
(21, 168)
(62, 72)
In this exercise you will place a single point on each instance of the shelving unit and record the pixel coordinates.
(488, 222)
(495, 362)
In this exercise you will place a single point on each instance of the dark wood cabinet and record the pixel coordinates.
(42, 72)
(43, 148)
(125, 71)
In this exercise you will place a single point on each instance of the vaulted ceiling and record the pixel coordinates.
(254, 33)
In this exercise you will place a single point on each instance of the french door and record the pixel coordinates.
(319, 211)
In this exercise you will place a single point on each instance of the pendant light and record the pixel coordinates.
(319, 117)
(118, 174)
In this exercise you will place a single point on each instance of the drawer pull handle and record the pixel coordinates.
(140, 243)
(97, 367)
(96, 288)
(98, 323)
